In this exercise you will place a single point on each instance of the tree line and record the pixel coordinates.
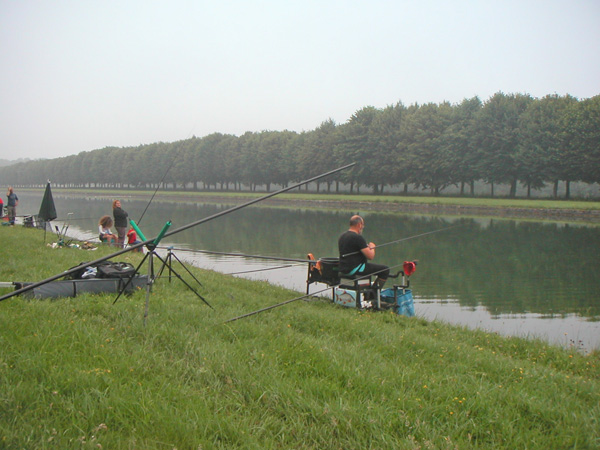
(508, 139)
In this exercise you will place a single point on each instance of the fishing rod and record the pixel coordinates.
(150, 243)
(256, 200)
(242, 255)
(159, 185)
(404, 239)
(263, 270)
(73, 219)
(277, 305)
(304, 296)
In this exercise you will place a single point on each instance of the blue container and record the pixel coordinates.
(403, 299)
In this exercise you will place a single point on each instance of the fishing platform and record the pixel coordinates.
(358, 291)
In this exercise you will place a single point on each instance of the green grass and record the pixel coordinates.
(85, 374)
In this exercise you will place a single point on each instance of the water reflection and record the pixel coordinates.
(504, 275)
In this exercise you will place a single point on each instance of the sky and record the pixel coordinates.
(82, 75)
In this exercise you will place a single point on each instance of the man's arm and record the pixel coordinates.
(369, 251)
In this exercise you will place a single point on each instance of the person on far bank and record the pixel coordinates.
(121, 222)
(12, 203)
(355, 254)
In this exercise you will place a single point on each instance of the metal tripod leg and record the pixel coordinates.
(185, 282)
(131, 277)
(169, 263)
(149, 284)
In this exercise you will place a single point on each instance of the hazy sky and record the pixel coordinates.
(82, 75)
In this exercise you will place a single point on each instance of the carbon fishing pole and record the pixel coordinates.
(151, 242)
(275, 306)
(404, 239)
(159, 185)
(73, 219)
(260, 199)
(263, 270)
(155, 191)
(242, 255)
(304, 296)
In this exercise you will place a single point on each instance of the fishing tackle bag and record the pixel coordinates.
(104, 269)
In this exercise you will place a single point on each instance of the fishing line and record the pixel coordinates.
(404, 239)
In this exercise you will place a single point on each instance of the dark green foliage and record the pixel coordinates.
(509, 139)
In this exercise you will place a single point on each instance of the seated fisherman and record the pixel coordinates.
(355, 254)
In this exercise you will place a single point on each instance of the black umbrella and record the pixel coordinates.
(47, 209)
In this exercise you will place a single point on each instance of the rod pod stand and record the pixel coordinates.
(168, 262)
(150, 255)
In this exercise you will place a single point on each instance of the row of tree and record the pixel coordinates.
(508, 139)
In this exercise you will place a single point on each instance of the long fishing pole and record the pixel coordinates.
(73, 219)
(157, 188)
(150, 242)
(300, 298)
(262, 270)
(404, 239)
(260, 199)
(159, 185)
(275, 306)
(243, 255)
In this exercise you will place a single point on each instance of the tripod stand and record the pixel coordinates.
(166, 262)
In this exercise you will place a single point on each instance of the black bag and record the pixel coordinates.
(110, 269)
(104, 269)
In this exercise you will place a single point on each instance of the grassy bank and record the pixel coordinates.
(83, 373)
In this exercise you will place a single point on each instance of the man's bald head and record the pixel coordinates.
(356, 220)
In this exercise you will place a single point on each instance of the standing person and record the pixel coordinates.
(355, 254)
(12, 203)
(120, 222)
(1, 208)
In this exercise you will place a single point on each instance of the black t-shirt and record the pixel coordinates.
(351, 244)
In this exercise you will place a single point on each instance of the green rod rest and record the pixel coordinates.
(137, 230)
(162, 233)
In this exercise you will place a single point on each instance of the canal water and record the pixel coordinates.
(521, 278)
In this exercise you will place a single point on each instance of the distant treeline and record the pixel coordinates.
(508, 139)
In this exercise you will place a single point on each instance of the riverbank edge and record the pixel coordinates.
(408, 205)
